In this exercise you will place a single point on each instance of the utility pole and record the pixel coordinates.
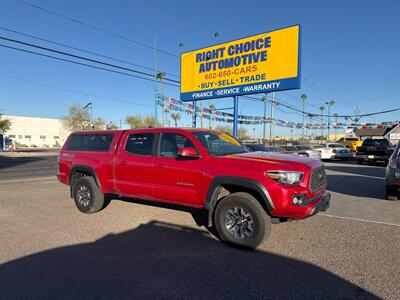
(303, 98)
(264, 100)
(155, 86)
(329, 104)
(357, 114)
(272, 116)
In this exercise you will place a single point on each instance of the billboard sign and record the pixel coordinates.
(258, 64)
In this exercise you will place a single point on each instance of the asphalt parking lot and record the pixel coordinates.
(50, 250)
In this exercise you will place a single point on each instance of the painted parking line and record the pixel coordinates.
(47, 178)
(355, 219)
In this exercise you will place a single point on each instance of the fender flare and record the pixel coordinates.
(247, 183)
(85, 169)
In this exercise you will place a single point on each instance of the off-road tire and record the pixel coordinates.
(260, 221)
(95, 201)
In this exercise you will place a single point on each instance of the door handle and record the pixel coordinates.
(159, 166)
(123, 162)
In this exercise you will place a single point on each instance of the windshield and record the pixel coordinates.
(303, 148)
(376, 143)
(219, 144)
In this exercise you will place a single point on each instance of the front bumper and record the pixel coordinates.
(322, 205)
(372, 157)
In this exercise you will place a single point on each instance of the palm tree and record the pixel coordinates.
(176, 117)
(303, 98)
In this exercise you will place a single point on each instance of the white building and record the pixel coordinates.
(36, 132)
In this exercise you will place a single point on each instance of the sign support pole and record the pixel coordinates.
(235, 116)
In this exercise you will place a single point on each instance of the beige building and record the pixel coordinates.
(36, 132)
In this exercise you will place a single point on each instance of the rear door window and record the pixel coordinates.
(91, 142)
(140, 144)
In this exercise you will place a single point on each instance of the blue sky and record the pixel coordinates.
(350, 53)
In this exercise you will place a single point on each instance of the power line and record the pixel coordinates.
(280, 102)
(160, 12)
(81, 64)
(72, 91)
(318, 115)
(82, 58)
(143, 73)
(96, 28)
(82, 50)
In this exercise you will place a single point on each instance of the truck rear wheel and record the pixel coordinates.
(241, 220)
(87, 195)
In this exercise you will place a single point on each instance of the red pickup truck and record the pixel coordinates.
(242, 192)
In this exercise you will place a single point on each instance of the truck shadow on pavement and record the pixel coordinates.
(165, 261)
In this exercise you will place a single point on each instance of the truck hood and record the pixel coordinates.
(277, 159)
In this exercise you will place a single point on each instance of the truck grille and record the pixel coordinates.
(318, 179)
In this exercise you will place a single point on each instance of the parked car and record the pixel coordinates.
(334, 151)
(373, 150)
(260, 147)
(350, 142)
(241, 192)
(303, 150)
(393, 175)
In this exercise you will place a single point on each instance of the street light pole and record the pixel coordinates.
(321, 108)
(272, 116)
(264, 100)
(303, 98)
(329, 104)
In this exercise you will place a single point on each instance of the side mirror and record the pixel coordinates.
(188, 152)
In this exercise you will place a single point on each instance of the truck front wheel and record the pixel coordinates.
(87, 195)
(241, 220)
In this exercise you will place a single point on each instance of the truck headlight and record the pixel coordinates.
(284, 177)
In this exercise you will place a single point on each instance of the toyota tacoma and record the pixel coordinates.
(242, 193)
